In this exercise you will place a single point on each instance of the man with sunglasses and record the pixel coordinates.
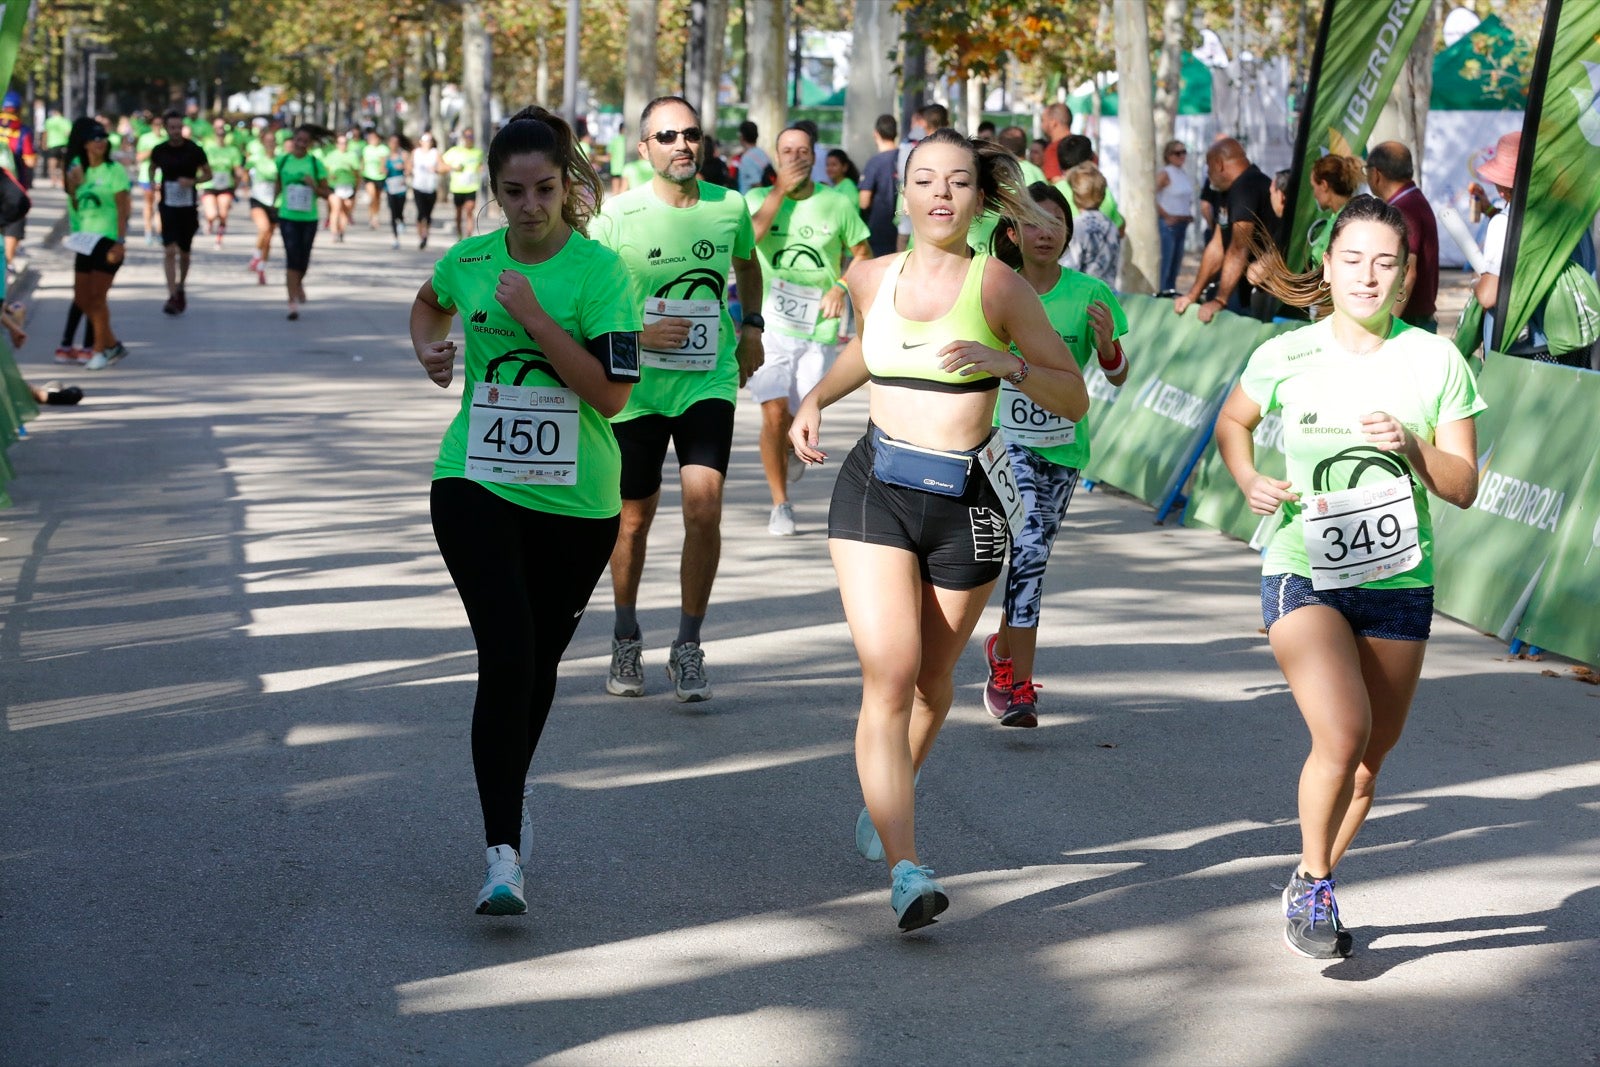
(679, 238)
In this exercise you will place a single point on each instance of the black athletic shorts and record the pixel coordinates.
(425, 203)
(179, 225)
(464, 198)
(17, 228)
(702, 437)
(960, 542)
(272, 212)
(95, 262)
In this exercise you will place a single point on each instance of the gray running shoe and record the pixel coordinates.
(686, 666)
(626, 678)
(781, 522)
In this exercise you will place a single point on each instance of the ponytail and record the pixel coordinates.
(1308, 289)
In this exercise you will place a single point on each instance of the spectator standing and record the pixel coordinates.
(753, 162)
(1096, 246)
(879, 186)
(1243, 209)
(1175, 204)
(1056, 122)
(1389, 174)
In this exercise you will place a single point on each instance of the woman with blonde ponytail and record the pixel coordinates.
(925, 503)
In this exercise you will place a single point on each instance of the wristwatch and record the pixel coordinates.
(753, 318)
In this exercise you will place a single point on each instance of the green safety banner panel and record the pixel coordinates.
(1556, 195)
(1564, 614)
(1535, 442)
(13, 17)
(1180, 371)
(1361, 47)
(1215, 500)
(16, 407)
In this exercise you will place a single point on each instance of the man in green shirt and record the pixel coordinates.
(143, 147)
(56, 130)
(374, 155)
(803, 232)
(464, 161)
(679, 238)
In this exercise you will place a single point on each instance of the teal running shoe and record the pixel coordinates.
(868, 843)
(502, 884)
(915, 897)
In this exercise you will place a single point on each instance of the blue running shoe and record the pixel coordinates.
(1312, 928)
(502, 884)
(868, 843)
(915, 897)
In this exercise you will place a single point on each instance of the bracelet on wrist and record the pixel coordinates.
(839, 283)
(1020, 375)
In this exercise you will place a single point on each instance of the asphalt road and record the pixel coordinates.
(240, 824)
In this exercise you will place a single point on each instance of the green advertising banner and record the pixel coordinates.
(1492, 557)
(1180, 372)
(13, 17)
(1564, 614)
(1361, 48)
(1556, 195)
(16, 407)
(1214, 498)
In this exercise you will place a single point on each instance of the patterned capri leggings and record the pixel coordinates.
(1046, 491)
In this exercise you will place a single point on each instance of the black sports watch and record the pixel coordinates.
(753, 318)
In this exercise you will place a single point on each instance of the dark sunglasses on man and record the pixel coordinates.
(692, 135)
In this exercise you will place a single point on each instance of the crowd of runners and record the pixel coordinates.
(975, 344)
(617, 316)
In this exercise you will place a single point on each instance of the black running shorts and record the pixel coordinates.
(702, 437)
(960, 542)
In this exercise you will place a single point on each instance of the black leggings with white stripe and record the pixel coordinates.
(524, 577)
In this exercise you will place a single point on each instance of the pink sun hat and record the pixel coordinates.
(1501, 169)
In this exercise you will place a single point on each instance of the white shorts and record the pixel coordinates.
(345, 192)
(793, 367)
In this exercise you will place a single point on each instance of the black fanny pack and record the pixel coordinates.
(914, 467)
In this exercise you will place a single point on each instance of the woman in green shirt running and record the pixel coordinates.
(527, 488)
(1376, 416)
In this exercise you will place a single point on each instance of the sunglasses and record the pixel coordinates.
(1180, 152)
(692, 135)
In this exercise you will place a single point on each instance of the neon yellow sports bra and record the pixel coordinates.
(901, 351)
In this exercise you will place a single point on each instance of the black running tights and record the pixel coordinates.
(524, 577)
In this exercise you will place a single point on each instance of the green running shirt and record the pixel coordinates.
(1067, 306)
(96, 198)
(585, 288)
(1323, 391)
(804, 246)
(299, 171)
(684, 254)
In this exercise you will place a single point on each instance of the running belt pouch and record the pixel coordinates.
(931, 471)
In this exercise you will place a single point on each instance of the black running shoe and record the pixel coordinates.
(170, 307)
(1312, 928)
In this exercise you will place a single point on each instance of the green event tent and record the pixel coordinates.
(1194, 92)
(1481, 71)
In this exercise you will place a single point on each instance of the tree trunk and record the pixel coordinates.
(570, 104)
(1169, 85)
(541, 72)
(694, 58)
(640, 86)
(874, 33)
(711, 76)
(1142, 261)
(475, 69)
(914, 66)
(766, 57)
(975, 91)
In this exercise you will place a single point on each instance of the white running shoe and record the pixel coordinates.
(502, 883)
(781, 522)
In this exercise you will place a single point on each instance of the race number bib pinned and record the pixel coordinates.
(699, 350)
(1360, 535)
(792, 308)
(395, 184)
(176, 194)
(997, 468)
(301, 198)
(523, 435)
(1026, 423)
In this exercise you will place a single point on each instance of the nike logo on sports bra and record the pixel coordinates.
(919, 344)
